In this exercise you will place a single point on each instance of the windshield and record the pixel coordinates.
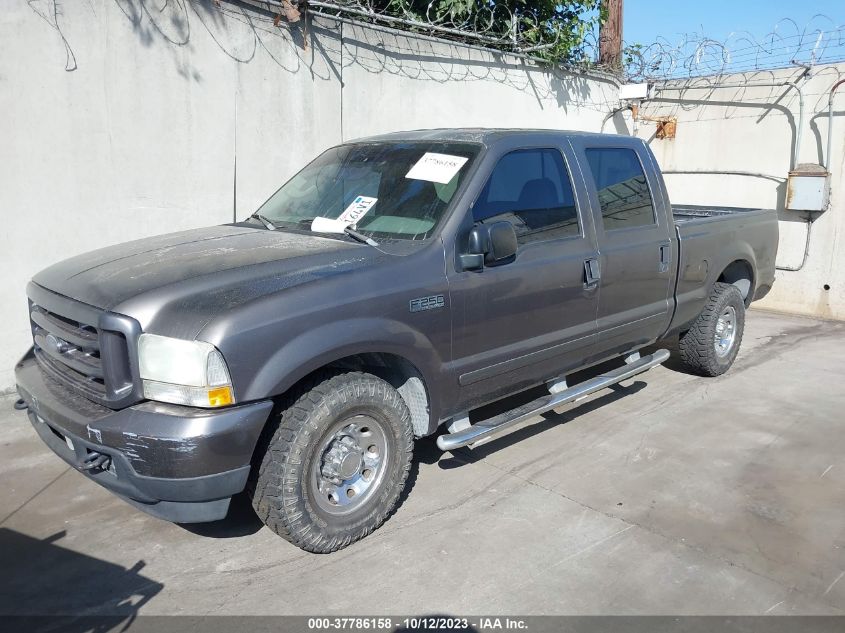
(389, 190)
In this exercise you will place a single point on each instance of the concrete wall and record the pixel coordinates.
(409, 82)
(122, 118)
(756, 129)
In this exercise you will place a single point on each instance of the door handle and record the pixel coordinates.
(592, 273)
(665, 257)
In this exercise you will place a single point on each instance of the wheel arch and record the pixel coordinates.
(402, 375)
(398, 371)
(740, 273)
(402, 355)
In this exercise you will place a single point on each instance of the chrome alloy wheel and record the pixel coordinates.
(350, 465)
(723, 339)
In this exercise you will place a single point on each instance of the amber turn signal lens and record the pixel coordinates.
(220, 396)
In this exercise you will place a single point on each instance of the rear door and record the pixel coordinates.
(527, 320)
(635, 250)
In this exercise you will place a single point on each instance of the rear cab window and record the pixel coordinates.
(622, 188)
(531, 189)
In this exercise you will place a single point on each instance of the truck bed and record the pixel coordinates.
(709, 237)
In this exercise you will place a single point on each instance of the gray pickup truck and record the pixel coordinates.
(392, 288)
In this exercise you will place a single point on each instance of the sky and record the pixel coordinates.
(644, 20)
(744, 26)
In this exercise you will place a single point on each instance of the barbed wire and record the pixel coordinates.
(378, 48)
(566, 39)
(820, 41)
(490, 23)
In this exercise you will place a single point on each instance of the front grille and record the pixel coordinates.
(69, 350)
(86, 349)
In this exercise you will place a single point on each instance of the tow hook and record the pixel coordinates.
(20, 404)
(96, 462)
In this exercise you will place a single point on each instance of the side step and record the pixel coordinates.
(488, 429)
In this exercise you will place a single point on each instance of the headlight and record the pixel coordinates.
(183, 372)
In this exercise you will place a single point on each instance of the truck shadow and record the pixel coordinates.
(39, 579)
(243, 521)
(674, 363)
(240, 521)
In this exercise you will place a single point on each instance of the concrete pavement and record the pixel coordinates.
(671, 494)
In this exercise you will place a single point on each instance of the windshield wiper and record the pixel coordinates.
(335, 226)
(264, 221)
(359, 236)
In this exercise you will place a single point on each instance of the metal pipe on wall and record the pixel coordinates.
(723, 172)
(799, 130)
(755, 174)
(798, 136)
(616, 111)
(795, 269)
(829, 153)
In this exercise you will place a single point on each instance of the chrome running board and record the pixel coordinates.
(490, 428)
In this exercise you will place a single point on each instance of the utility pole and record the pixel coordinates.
(610, 36)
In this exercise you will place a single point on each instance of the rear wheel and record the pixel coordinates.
(334, 464)
(710, 346)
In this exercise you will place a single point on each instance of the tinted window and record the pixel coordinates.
(623, 192)
(531, 189)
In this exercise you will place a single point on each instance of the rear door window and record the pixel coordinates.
(623, 192)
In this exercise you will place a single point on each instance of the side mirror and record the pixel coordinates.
(490, 244)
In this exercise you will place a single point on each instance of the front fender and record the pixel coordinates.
(328, 343)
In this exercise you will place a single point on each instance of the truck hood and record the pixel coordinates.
(110, 276)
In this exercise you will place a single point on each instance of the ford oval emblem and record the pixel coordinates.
(56, 343)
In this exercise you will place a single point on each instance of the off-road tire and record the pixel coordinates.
(284, 458)
(697, 347)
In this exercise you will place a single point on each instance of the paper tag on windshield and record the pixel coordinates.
(357, 210)
(327, 225)
(434, 167)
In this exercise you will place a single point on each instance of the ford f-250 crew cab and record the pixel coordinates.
(392, 287)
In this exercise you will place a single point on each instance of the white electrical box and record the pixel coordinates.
(632, 92)
(808, 188)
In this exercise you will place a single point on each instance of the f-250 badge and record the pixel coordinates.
(427, 303)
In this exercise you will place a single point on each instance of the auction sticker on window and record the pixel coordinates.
(357, 210)
(434, 167)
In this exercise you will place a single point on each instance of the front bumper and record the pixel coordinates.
(178, 463)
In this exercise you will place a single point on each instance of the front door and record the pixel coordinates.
(524, 321)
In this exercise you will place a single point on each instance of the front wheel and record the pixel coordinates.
(336, 462)
(710, 346)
